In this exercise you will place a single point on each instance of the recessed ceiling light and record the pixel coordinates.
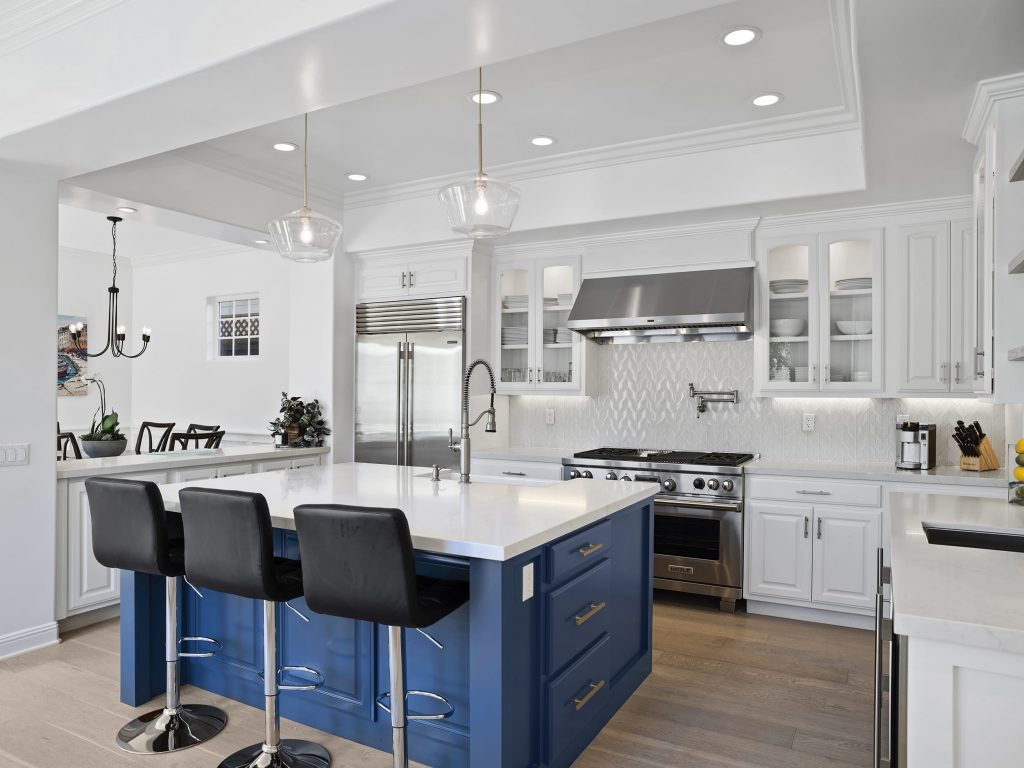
(357, 177)
(261, 242)
(285, 146)
(741, 36)
(484, 97)
(542, 141)
(127, 209)
(767, 99)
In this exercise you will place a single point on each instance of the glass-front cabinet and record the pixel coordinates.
(535, 348)
(821, 312)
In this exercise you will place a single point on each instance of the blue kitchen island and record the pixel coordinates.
(554, 639)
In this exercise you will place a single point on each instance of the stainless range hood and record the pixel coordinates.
(709, 305)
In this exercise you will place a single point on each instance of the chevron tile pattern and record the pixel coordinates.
(641, 399)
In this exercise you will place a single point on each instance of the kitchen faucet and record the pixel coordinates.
(462, 447)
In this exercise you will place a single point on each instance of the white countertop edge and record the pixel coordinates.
(983, 636)
(876, 471)
(154, 462)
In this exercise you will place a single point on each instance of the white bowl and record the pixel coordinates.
(854, 327)
(787, 326)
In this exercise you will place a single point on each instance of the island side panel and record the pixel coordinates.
(143, 675)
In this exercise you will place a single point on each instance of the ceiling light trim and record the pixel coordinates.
(755, 31)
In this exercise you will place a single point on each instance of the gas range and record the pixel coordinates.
(689, 473)
(698, 513)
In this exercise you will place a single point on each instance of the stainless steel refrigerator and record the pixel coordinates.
(410, 356)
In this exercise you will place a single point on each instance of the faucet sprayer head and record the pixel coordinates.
(489, 425)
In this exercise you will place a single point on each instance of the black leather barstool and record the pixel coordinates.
(229, 548)
(359, 565)
(132, 531)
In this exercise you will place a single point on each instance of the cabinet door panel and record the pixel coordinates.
(923, 298)
(845, 551)
(437, 276)
(381, 282)
(780, 550)
(789, 333)
(963, 270)
(230, 470)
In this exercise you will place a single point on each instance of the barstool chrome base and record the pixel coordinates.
(291, 753)
(161, 731)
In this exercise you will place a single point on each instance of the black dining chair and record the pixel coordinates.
(182, 440)
(149, 429)
(203, 428)
(66, 441)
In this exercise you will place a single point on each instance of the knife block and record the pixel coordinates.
(986, 461)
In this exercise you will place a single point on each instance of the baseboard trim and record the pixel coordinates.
(79, 620)
(817, 615)
(31, 639)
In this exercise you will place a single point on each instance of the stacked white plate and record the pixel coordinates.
(854, 284)
(788, 286)
(782, 374)
(514, 334)
(800, 373)
(861, 376)
(557, 335)
(516, 301)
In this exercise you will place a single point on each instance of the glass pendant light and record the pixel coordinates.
(305, 236)
(480, 207)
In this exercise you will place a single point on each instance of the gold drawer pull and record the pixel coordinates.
(595, 608)
(589, 549)
(594, 688)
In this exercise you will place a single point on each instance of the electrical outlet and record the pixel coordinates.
(13, 454)
(549, 416)
(808, 422)
(902, 418)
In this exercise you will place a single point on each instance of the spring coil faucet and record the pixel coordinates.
(462, 447)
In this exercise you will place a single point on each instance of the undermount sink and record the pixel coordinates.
(450, 474)
(1002, 539)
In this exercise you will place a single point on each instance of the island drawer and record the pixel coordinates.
(578, 614)
(532, 470)
(814, 490)
(580, 549)
(576, 696)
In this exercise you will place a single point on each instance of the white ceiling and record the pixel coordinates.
(662, 79)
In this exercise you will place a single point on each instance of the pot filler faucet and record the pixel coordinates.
(462, 447)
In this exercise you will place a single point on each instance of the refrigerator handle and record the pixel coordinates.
(410, 360)
(400, 424)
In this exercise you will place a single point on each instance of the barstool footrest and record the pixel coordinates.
(424, 694)
(294, 687)
(197, 655)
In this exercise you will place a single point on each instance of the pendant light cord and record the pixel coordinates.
(305, 162)
(113, 235)
(480, 119)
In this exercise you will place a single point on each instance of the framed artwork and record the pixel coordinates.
(71, 364)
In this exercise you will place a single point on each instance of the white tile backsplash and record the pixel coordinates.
(640, 399)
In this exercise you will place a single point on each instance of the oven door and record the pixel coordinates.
(698, 541)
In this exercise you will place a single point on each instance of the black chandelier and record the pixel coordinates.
(115, 332)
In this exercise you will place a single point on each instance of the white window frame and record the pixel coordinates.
(213, 337)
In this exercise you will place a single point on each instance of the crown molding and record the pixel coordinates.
(986, 95)
(192, 254)
(32, 20)
(441, 248)
(940, 205)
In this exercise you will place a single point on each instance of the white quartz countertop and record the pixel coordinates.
(956, 594)
(487, 520)
(546, 455)
(881, 471)
(150, 462)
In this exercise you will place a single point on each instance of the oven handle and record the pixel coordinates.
(719, 506)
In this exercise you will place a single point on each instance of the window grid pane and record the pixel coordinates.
(238, 327)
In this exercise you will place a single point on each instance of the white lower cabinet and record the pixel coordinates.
(819, 555)
(780, 560)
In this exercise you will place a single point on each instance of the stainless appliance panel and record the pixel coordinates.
(436, 362)
(378, 412)
(698, 541)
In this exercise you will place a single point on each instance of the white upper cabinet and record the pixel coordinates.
(935, 303)
(399, 279)
(821, 313)
(535, 350)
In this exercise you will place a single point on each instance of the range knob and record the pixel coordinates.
(574, 473)
(712, 484)
(669, 485)
(698, 483)
(627, 478)
(588, 474)
(610, 476)
(727, 486)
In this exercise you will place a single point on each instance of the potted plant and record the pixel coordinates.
(300, 424)
(104, 438)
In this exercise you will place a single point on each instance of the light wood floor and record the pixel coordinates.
(728, 691)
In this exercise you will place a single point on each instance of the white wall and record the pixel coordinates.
(82, 281)
(177, 379)
(28, 408)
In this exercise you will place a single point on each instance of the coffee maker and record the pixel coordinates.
(915, 445)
